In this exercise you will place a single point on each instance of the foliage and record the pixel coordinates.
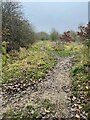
(80, 73)
(68, 49)
(84, 33)
(80, 79)
(5, 56)
(85, 55)
(31, 64)
(66, 37)
(15, 29)
(75, 37)
(34, 63)
(42, 36)
(54, 35)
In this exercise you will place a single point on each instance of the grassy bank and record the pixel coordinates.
(31, 64)
(80, 80)
(34, 63)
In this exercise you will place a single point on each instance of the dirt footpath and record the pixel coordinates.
(56, 87)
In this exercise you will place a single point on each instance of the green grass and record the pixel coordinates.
(31, 64)
(80, 80)
(34, 63)
(68, 49)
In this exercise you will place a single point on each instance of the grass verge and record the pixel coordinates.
(80, 79)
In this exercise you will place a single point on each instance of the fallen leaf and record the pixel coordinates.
(77, 116)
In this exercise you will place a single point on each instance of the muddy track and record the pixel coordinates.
(56, 86)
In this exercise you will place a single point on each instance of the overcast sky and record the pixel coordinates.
(62, 15)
